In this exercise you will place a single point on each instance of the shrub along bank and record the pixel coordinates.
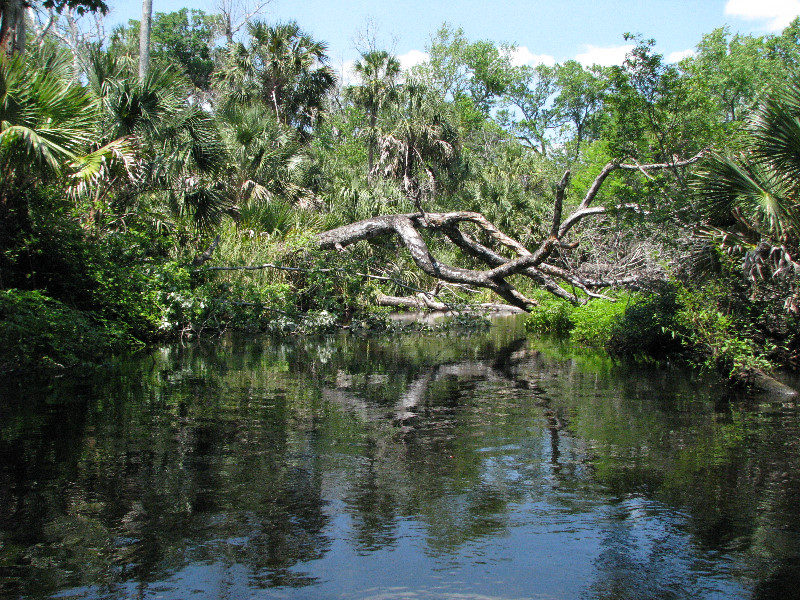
(710, 326)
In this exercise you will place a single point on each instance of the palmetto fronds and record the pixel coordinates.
(775, 130)
(754, 197)
(115, 161)
(749, 193)
(283, 67)
(422, 143)
(45, 121)
(266, 161)
(180, 152)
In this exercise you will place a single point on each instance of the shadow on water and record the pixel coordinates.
(442, 465)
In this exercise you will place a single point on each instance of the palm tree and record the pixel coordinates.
(48, 138)
(752, 199)
(379, 72)
(48, 126)
(283, 67)
(180, 152)
(266, 161)
(45, 123)
(422, 146)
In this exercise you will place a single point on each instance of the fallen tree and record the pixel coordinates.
(534, 264)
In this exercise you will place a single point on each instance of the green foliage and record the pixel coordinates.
(480, 71)
(513, 191)
(731, 70)
(186, 38)
(37, 332)
(266, 161)
(644, 330)
(591, 323)
(45, 123)
(652, 112)
(282, 67)
(379, 73)
(635, 326)
(749, 201)
(553, 316)
(595, 321)
(676, 320)
(80, 6)
(720, 339)
(422, 148)
(580, 96)
(214, 306)
(52, 252)
(176, 172)
(109, 189)
(530, 92)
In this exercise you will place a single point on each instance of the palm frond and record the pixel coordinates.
(205, 205)
(27, 143)
(115, 160)
(45, 120)
(736, 188)
(775, 129)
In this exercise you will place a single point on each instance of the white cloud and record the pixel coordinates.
(522, 56)
(605, 57)
(678, 56)
(411, 58)
(777, 13)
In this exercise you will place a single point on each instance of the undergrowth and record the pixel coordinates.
(694, 324)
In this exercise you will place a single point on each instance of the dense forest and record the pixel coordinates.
(201, 172)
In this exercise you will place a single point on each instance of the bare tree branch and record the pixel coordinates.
(547, 265)
(236, 14)
(559, 205)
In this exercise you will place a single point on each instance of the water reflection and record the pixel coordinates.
(438, 466)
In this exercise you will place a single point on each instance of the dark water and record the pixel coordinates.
(438, 466)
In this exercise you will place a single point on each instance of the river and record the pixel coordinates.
(439, 465)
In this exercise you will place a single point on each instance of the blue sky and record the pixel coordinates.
(544, 30)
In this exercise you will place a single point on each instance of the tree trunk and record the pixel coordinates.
(12, 26)
(373, 125)
(427, 302)
(144, 38)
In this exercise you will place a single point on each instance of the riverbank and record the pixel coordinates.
(40, 334)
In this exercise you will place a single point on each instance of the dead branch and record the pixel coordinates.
(206, 256)
(534, 265)
(236, 14)
(424, 301)
(419, 302)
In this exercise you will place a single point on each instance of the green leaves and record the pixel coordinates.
(282, 67)
(45, 121)
(740, 190)
(179, 152)
(423, 145)
(775, 129)
(266, 161)
(758, 189)
(480, 71)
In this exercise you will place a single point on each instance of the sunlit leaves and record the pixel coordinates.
(45, 121)
(284, 68)
(754, 195)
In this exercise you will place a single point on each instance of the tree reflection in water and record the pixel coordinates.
(488, 465)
